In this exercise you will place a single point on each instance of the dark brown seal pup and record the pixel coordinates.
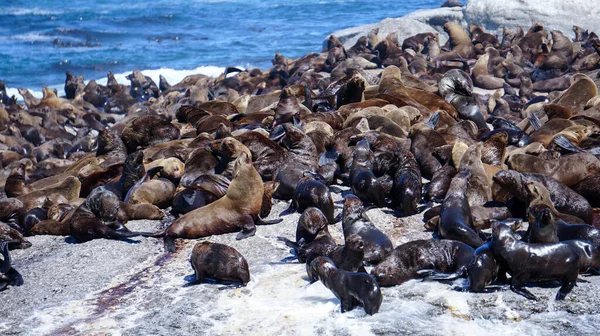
(302, 157)
(237, 210)
(348, 257)
(424, 141)
(456, 222)
(311, 222)
(353, 289)
(355, 221)
(219, 262)
(363, 182)
(534, 262)
(97, 218)
(406, 193)
(483, 268)
(311, 192)
(546, 227)
(456, 88)
(408, 260)
(8, 275)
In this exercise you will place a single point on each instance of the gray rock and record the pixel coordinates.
(554, 14)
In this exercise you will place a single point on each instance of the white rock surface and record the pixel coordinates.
(554, 14)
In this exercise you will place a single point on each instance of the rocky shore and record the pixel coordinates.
(133, 287)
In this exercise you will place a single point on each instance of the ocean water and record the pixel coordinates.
(41, 39)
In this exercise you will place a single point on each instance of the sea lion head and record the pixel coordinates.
(241, 163)
(320, 268)
(353, 208)
(313, 220)
(501, 232)
(104, 204)
(355, 242)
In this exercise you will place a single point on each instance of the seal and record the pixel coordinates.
(8, 275)
(311, 222)
(408, 260)
(159, 192)
(133, 171)
(12, 212)
(146, 131)
(406, 193)
(589, 188)
(569, 169)
(352, 289)
(66, 190)
(310, 192)
(455, 215)
(363, 182)
(237, 210)
(13, 237)
(348, 257)
(355, 221)
(534, 262)
(564, 198)
(302, 157)
(97, 218)
(424, 141)
(456, 88)
(219, 262)
(483, 268)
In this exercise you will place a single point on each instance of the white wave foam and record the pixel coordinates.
(31, 11)
(173, 77)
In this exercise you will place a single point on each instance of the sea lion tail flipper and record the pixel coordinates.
(15, 277)
(170, 244)
(564, 143)
(289, 243)
(261, 221)
(535, 122)
(158, 234)
(430, 274)
(248, 227)
(331, 155)
(433, 121)
(120, 234)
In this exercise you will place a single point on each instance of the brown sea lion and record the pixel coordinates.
(159, 192)
(13, 237)
(67, 190)
(348, 257)
(237, 210)
(455, 216)
(353, 289)
(219, 262)
(97, 218)
(569, 169)
(534, 262)
(146, 131)
(409, 260)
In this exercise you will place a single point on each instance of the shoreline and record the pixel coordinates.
(133, 287)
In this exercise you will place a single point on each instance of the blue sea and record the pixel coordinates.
(41, 39)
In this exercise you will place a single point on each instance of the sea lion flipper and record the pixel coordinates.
(170, 244)
(261, 221)
(535, 122)
(15, 278)
(565, 144)
(248, 228)
(524, 292)
(433, 120)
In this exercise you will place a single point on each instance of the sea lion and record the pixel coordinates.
(564, 198)
(348, 257)
(456, 88)
(13, 237)
(302, 157)
(406, 192)
(353, 289)
(408, 260)
(534, 262)
(8, 275)
(97, 218)
(424, 140)
(437, 188)
(133, 171)
(311, 222)
(479, 190)
(267, 155)
(355, 221)
(237, 210)
(569, 169)
(267, 203)
(483, 268)
(455, 215)
(159, 192)
(311, 192)
(219, 262)
(146, 131)
(67, 190)
(12, 212)
(15, 185)
(363, 182)
(589, 188)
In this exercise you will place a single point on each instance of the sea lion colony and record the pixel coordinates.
(502, 129)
